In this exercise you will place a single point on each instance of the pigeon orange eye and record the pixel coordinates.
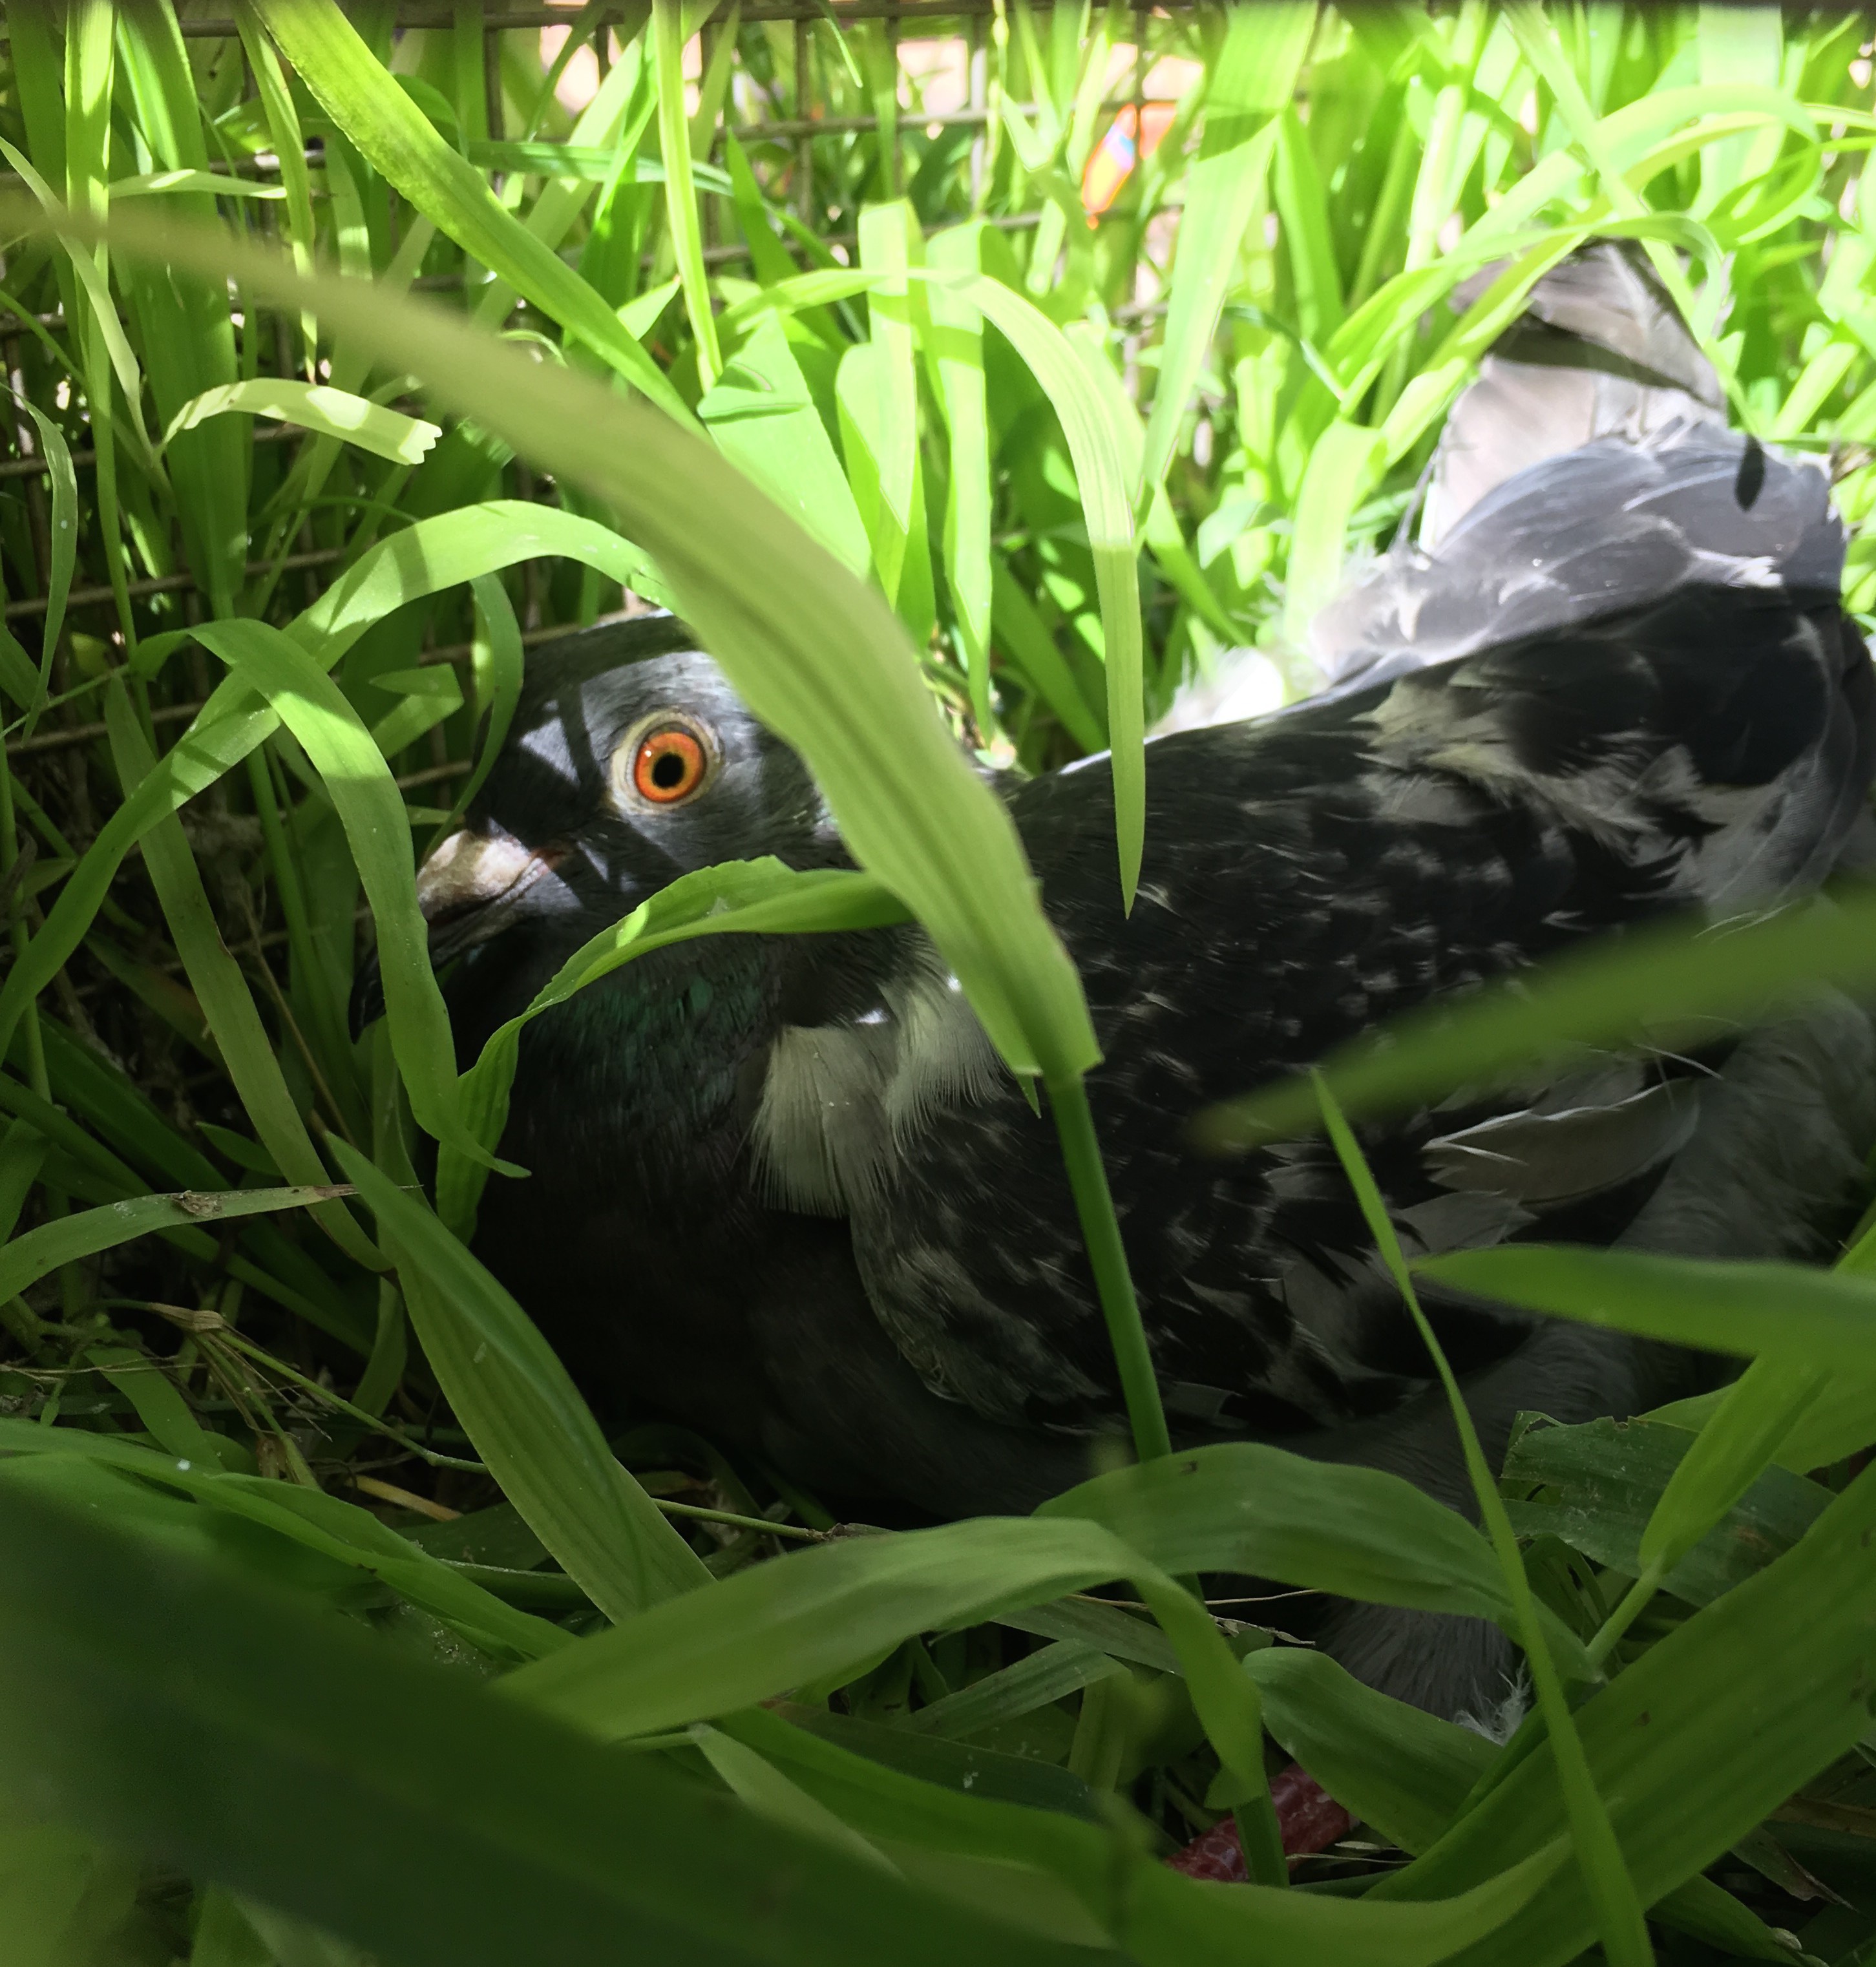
(669, 765)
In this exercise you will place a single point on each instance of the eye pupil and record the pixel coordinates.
(670, 765)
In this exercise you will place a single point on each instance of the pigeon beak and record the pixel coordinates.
(468, 890)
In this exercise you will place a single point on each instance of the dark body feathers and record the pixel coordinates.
(782, 1190)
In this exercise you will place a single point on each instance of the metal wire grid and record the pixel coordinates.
(802, 128)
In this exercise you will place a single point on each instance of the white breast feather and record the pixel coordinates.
(842, 1101)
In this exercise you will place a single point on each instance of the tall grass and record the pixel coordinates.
(347, 362)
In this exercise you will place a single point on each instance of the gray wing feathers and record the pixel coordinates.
(1589, 469)
(1600, 351)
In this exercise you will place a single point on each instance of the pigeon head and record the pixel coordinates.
(630, 761)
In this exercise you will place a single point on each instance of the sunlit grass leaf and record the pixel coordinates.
(418, 561)
(1099, 452)
(217, 184)
(289, 146)
(1022, 634)
(1099, 455)
(439, 552)
(385, 433)
(389, 128)
(496, 654)
(884, 385)
(680, 196)
(954, 354)
(1341, 473)
(764, 420)
(429, 695)
(103, 310)
(1254, 73)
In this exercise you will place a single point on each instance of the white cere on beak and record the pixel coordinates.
(470, 869)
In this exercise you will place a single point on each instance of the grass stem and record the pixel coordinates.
(1605, 1875)
(1100, 1230)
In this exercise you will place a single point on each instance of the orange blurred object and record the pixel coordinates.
(1134, 133)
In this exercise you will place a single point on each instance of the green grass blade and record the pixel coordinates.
(680, 196)
(1341, 473)
(1062, 1669)
(523, 1414)
(515, 1839)
(1538, 41)
(496, 653)
(335, 413)
(1259, 1511)
(1786, 1311)
(1023, 638)
(1749, 1431)
(1744, 1702)
(289, 146)
(40, 1251)
(308, 1518)
(769, 1793)
(1728, 1455)
(246, 1051)
(1410, 1775)
(102, 318)
(389, 128)
(1107, 1258)
(1255, 74)
(430, 555)
(452, 547)
(193, 764)
(953, 350)
(1619, 1912)
(62, 476)
(1669, 986)
(429, 695)
(371, 809)
(888, 419)
(609, 127)
(764, 421)
(1097, 449)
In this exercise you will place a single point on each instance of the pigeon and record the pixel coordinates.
(782, 1190)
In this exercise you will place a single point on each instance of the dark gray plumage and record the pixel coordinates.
(782, 1190)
